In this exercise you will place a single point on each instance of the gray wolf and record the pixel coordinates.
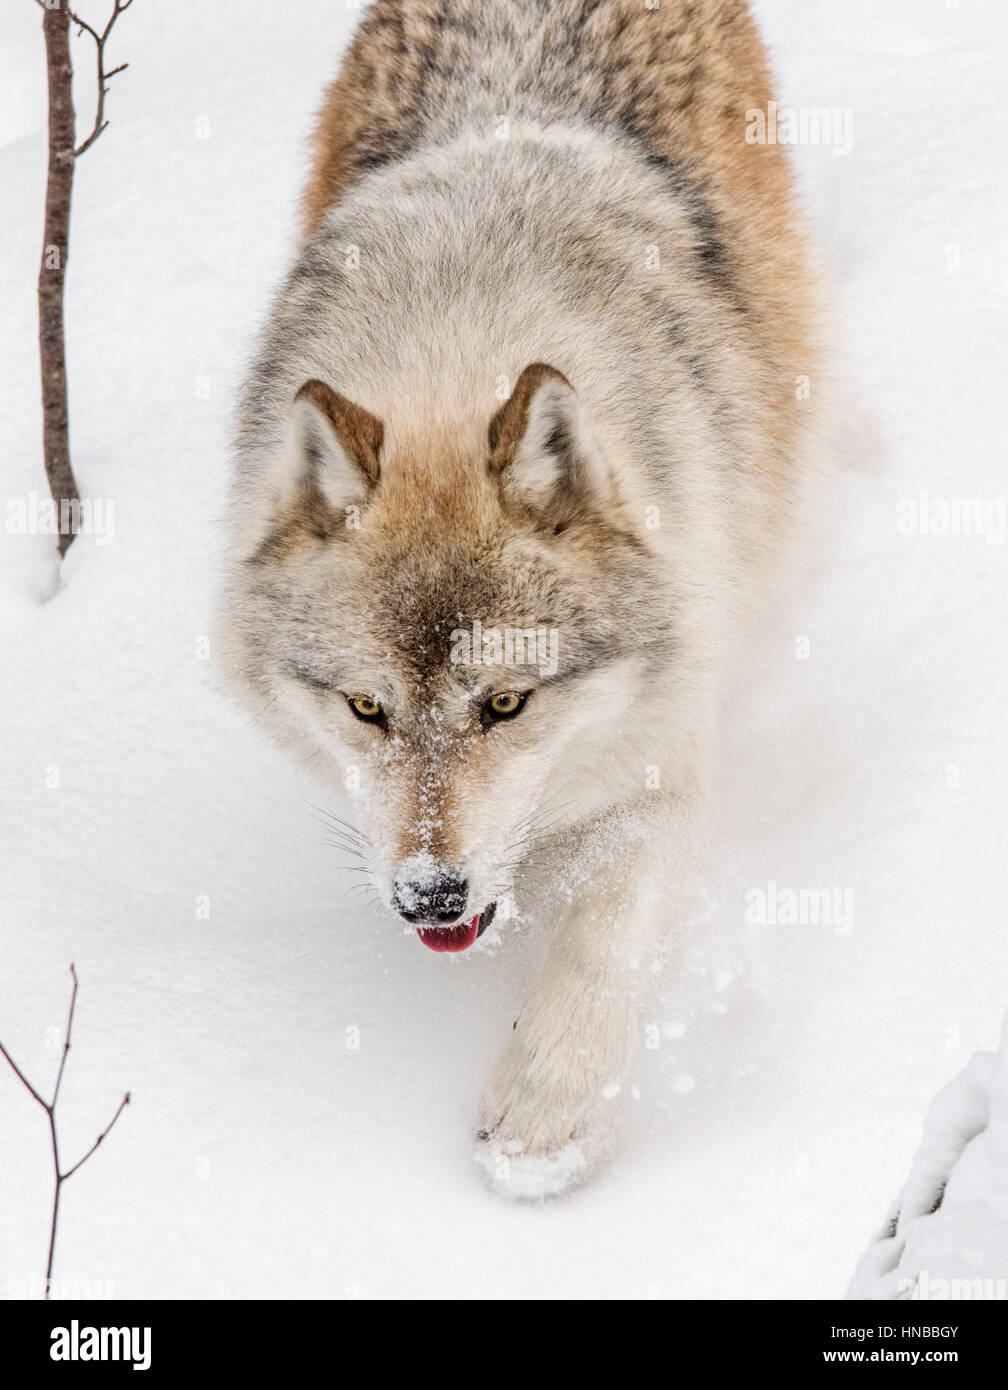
(541, 366)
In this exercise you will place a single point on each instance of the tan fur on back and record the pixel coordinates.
(680, 78)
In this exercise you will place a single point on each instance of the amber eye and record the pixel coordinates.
(504, 705)
(368, 710)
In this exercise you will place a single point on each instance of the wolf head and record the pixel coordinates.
(456, 622)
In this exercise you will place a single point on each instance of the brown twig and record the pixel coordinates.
(49, 1106)
(63, 156)
(103, 74)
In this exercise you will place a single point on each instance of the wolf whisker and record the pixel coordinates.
(361, 888)
(337, 821)
(258, 714)
(352, 850)
(531, 823)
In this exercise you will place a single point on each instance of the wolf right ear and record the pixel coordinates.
(322, 476)
(336, 444)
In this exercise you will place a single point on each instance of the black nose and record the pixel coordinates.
(439, 898)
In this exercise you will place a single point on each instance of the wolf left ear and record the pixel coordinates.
(543, 448)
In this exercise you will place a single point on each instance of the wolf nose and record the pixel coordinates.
(438, 899)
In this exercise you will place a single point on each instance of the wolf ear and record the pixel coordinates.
(326, 470)
(336, 446)
(542, 446)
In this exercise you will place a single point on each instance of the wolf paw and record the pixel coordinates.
(544, 1117)
(528, 1177)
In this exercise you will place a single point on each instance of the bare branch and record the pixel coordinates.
(83, 27)
(50, 1108)
(52, 270)
(66, 1040)
(81, 1161)
(63, 153)
(23, 1079)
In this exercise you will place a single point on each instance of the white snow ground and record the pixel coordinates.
(946, 1234)
(776, 1116)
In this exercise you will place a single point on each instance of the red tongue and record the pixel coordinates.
(450, 938)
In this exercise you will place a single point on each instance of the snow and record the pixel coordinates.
(304, 1074)
(946, 1235)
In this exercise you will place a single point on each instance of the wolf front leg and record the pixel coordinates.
(547, 1109)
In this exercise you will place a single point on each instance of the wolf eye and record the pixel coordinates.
(504, 705)
(368, 710)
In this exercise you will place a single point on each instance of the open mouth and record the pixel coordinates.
(460, 937)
